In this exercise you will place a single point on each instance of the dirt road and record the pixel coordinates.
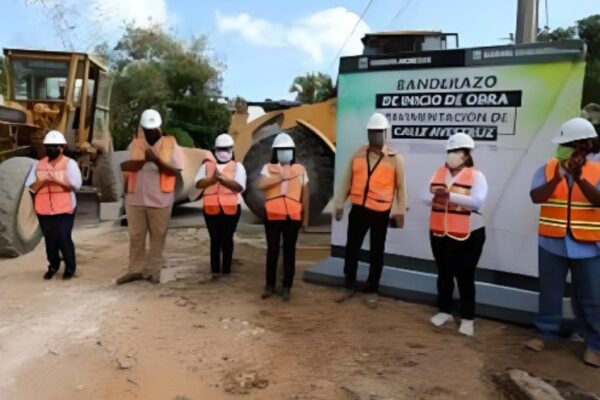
(194, 339)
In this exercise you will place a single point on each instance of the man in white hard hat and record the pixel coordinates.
(374, 181)
(53, 181)
(222, 180)
(150, 177)
(568, 190)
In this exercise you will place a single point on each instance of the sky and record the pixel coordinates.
(265, 44)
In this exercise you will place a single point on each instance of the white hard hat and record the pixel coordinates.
(224, 140)
(460, 140)
(575, 129)
(283, 140)
(150, 119)
(54, 138)
(378, 121)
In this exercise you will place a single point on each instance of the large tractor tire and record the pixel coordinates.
(8, 114)
(19, 228)
(312, 152)
(105, 179)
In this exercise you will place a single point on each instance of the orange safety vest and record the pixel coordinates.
(285, 200)
(449, 219)
(138, 153)
(217, 197)
(568, 209)
(373, 188)
(53, 199)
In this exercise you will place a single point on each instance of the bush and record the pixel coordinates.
(183, 138)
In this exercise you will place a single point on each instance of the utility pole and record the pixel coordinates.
(527, 21)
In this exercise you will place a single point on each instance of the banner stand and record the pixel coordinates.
(512, 100)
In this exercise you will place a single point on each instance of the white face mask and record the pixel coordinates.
(224, 155)
(455, 159)
(285, 156)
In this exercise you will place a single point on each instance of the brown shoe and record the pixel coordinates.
(591, 357)
(129, 277)
(536, 345)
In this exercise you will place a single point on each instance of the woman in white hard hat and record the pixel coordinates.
(457, 232)
(285, 184)
(53, 180)
(568, 190)
(223, 180)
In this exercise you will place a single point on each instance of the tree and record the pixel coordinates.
(558, 35)
(312, 87)
(154, 69)
(3, 81)
(588, 30)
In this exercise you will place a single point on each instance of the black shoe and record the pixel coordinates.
(371, 288)
(347, 294)
(66, 277)
(49, 274)
(286, 294)
(269, 292)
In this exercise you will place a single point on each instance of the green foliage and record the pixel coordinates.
(153, 69)
(183, 138)
(312, 87)
(588, 30)
(558, 35)
(3, 80)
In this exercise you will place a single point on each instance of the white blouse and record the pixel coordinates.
(475, 201)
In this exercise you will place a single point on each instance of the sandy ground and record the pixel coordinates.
(195, 339)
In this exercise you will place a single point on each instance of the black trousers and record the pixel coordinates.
(57, 236)
(275, 230)
(361, 220)
(221, 228)
(457, 259)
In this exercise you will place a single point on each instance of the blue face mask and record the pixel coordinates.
(285, 156)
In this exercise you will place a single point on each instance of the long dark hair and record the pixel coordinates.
(274, 159)
(469, 162)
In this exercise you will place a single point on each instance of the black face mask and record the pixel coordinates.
(376, 139)
(52, 152)
(152, 136)
(595, 145)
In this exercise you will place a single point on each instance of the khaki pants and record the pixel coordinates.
(141, 221)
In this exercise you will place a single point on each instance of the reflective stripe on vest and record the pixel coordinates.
(285, 200)
(138, 153)
(568, 209)
(53, 199)
(217, 197)
(374, 187)
(449, 219)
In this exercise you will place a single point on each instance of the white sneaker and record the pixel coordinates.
(441, 318)
(466, 327)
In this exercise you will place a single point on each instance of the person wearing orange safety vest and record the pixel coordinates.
(457, 192)
(53, 181)
(285, 185)
(374, 181)
(568, 190)
(222, 180)
(150, 177)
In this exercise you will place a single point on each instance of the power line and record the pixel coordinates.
(351, 33)
(400, 11)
